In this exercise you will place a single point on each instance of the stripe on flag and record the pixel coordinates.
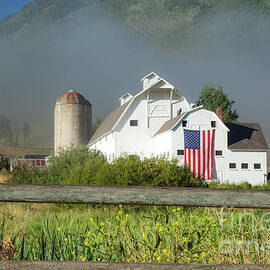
(199, 152)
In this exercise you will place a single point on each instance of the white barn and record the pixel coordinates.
(152, 123)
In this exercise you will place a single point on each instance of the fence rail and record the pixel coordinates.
(205, 197)
(135, 195)
(42, 265)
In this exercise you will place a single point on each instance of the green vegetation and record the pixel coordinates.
(10, 133)
(81, 166)
(26, 131)
(134, 234)
(169, 21)
(128, 233)
(6, 132)
(96, 125)
(212, 97)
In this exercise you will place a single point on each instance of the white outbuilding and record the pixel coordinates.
(159, 121)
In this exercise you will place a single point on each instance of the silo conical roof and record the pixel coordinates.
(72, 97)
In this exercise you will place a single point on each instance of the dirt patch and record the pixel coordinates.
(3, 178)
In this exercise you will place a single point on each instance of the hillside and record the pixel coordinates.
(168, 21)
(53, 45)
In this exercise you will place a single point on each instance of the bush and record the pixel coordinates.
(243, 185)
(60, 166)
(81, 166)
(28, 175)
(131, 170)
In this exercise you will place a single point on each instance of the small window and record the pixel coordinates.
(184, 123)
(244, 165)
(213, 124)
(180, 152)
(257, 166)
(133, 123)
(232, 165)
(219, 153)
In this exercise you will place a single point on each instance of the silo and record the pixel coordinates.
(72, 120)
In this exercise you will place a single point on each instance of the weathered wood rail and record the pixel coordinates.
(226, 198)
(204, 197)
(42, 265)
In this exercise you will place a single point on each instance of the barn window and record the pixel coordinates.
(244, 165)
(219, 153)
(232, 165)
(133, 123)
(184, 123)
(257, 166)
(180, 152)
(213, 124)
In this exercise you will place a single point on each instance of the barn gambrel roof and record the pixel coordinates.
(111, 121)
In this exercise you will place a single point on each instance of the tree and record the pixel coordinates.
(212, 97)
(96, 125)
(26, 131)
(6, 132)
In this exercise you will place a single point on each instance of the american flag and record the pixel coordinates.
(199, 151)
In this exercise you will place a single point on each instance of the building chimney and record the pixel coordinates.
(219, 113)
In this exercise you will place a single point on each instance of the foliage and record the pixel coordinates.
(169, 21)
(212, 97)
(6, 132)
(141, 234)
(96, 125)
(26, 131)
(28, 175)
(131, 170)
(4, 163)
(81, 166)
(62, 163)
(244, 185)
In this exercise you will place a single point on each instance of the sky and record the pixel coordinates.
(8, 7)
(101, 60)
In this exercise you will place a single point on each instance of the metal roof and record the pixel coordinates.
(108, 123)
(72, 97)
(246, 136)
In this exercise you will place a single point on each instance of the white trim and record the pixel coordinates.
(126, 94)
(148, 75)
(173, 89)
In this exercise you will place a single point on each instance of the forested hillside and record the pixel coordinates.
(166, 20)
(54, 45)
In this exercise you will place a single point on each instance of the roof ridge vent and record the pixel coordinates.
(125, 98)
(150, 79)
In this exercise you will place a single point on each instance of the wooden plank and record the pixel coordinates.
(135, 195)
(40, 265)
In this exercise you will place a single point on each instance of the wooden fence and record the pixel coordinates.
(226, 198)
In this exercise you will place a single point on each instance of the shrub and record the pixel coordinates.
(61, 165)
(81, 166)
(243, 185)
(131, 170)
(28, 175)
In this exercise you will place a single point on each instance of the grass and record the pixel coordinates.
(133, 233)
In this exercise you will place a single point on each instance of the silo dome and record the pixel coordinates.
(72, 97)
(72, 120)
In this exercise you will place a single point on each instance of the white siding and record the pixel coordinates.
(106, 145)
(201, 119)
(238, 175)
(163, 144)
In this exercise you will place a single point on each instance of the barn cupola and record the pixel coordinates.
(125, 98)
(149, 80)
